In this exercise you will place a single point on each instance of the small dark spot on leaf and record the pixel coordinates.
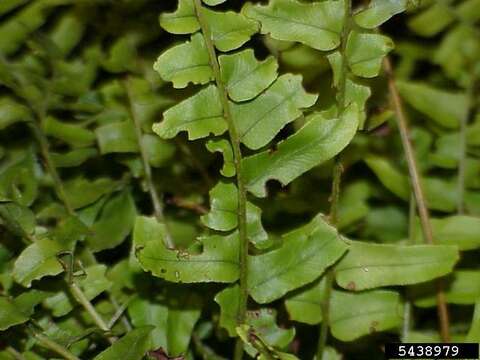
(272, 150)
(254, 314)
(351, 286)
(373, 326)
(160, 354)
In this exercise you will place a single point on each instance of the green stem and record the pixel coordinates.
(342, 82)
(329, 275)
(155, 198)
(14, 353)
(416, 184)
(52, 345)
(119, 313)
(337, 177)
(237, 155)
(45, 151)
(82, 299)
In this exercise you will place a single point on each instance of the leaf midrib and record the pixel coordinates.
(191, 260)
(299, 260)
(269, 111)
(292, 154)
(440, 260)
(248, 74)
(298, 22)
(359, 315)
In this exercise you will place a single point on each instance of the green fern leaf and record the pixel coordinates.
(36, 261)
(317, 25)
(317, 141)
(217, 262)
(223, 146)
(445, 108)
(303, 257)
(353, 315)
(229, 30)
(214, 2)
(199, 115)
(369, 265)
(223, 214)
(184, 63)
(365, 53)
(182, 21)
(379, 11)
(259, 120)
(244, 76)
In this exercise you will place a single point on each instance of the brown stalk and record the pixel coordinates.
(416, 183)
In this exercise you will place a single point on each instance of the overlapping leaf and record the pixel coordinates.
(73, 158)
(173, 322)
(36, 261)
(355, 315)
(445, 108)
(352, 315)
(229, 29)
(305, 305)
(217, 261)
(228, 300)
(12, 112)
(368, 265)
(70, 133)
(432, 20)
(223, 214)
(440, 193)
(132, 346)
(260, 120)
(365, 53)
(20, 220)
(18, 181)
(379, 11)
(82, 192)
(118, 137)
(184, 63)
(114, 224)
(262, 320)
(244, 76)
(317, 25)
(92, 285)
(459, 230)
(318, 140)
(182, 21)
(199, 115)
(18, 310)
(224, 147)
(462, 288)
(263, 349)
(214, 2)
(303, 257)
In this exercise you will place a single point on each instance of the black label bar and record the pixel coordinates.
(432, 351)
